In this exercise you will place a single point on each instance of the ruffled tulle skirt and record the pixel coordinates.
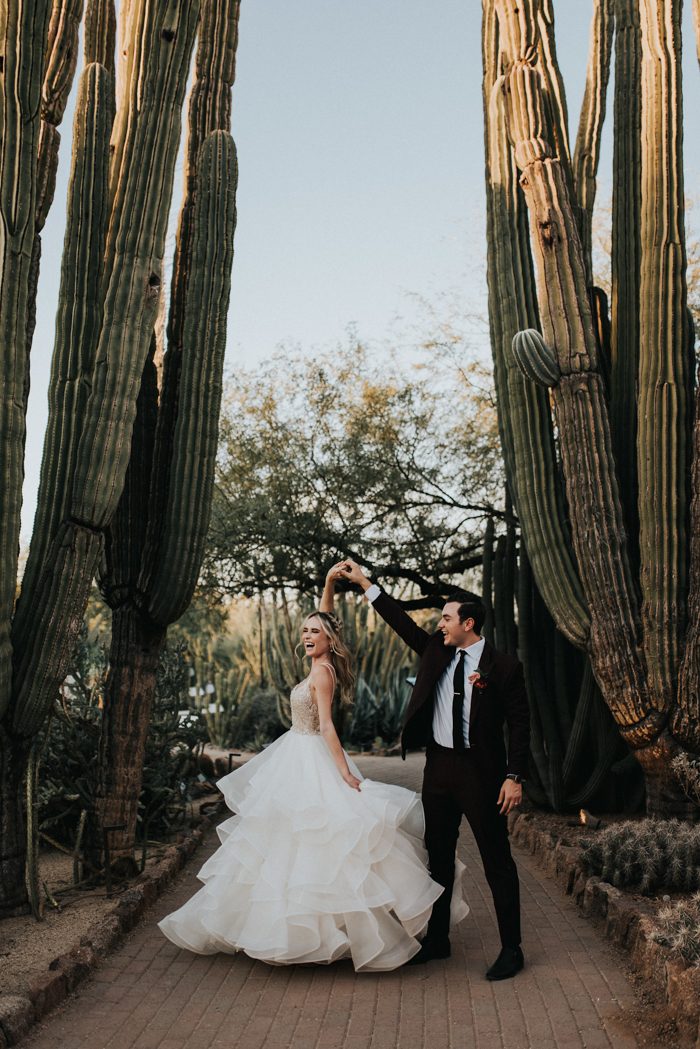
(310, 870)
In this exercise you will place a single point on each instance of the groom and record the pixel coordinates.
(464, 693)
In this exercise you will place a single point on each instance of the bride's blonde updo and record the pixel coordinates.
(340, 655)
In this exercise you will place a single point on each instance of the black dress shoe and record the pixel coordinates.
(429, 950)
(509, 962)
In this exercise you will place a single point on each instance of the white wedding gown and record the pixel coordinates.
(310, 870)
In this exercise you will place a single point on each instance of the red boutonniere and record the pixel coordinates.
(477, 680)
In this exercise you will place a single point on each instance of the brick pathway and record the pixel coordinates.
(573, 993)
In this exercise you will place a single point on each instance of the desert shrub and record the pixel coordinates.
(378, 710)
(174, 738)
(68, 772)
(647, 856)
(255, 721)
(678, 927)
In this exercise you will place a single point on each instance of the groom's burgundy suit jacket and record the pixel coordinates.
(502, 699)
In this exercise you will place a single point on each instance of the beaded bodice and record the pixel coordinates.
(304, 710)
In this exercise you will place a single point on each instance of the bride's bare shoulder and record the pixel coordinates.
(322, 675)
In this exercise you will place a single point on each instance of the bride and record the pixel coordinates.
(318, 863)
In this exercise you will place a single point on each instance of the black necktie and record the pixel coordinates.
(458, 705)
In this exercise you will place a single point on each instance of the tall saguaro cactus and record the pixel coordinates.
(119, 201)
(558, 775)
(23, 32)
(634, 649)
(153, 558)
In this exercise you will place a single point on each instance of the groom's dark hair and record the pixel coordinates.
(470, 607)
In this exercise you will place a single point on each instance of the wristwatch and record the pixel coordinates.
(515, 777)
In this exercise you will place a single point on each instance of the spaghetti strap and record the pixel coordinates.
(332, 670)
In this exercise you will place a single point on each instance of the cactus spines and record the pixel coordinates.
(536, 360)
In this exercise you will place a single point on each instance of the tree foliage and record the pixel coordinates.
(326, 455)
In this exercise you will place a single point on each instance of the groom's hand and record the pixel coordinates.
(334, 572)
(351, 571)
(510, 797)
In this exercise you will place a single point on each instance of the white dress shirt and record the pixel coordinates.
(442, 714)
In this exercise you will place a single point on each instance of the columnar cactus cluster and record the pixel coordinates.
(628, 594)
(102, 400)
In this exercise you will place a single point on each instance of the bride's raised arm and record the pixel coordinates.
(327, 603)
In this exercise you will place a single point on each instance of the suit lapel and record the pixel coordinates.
(434, 661)
(479, 696)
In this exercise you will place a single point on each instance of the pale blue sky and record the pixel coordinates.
(360, 141)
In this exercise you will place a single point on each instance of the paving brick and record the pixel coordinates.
(572, 994)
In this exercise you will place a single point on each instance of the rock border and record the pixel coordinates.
(19, 1013)
(625, 921)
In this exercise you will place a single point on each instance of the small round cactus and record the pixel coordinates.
(536, 360)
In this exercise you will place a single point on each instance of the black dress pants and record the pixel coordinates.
(455, 786)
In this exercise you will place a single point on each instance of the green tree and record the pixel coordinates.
(337, 453)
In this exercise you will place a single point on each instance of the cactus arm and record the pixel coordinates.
(587, 149)
(596, 519)
(665, 378)
(625, 259)
(61, 61)
(188, 508)
(134, 251)
(62, 57)
(126, 534)
(685, 716)
(524, 414)
(78, 314)
(50, 621)
(23, 32)
(186, 444)
(555, 95)
(99, 32)
(545, 744)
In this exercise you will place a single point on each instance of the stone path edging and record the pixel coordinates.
(18, 1012)
(624, 921)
